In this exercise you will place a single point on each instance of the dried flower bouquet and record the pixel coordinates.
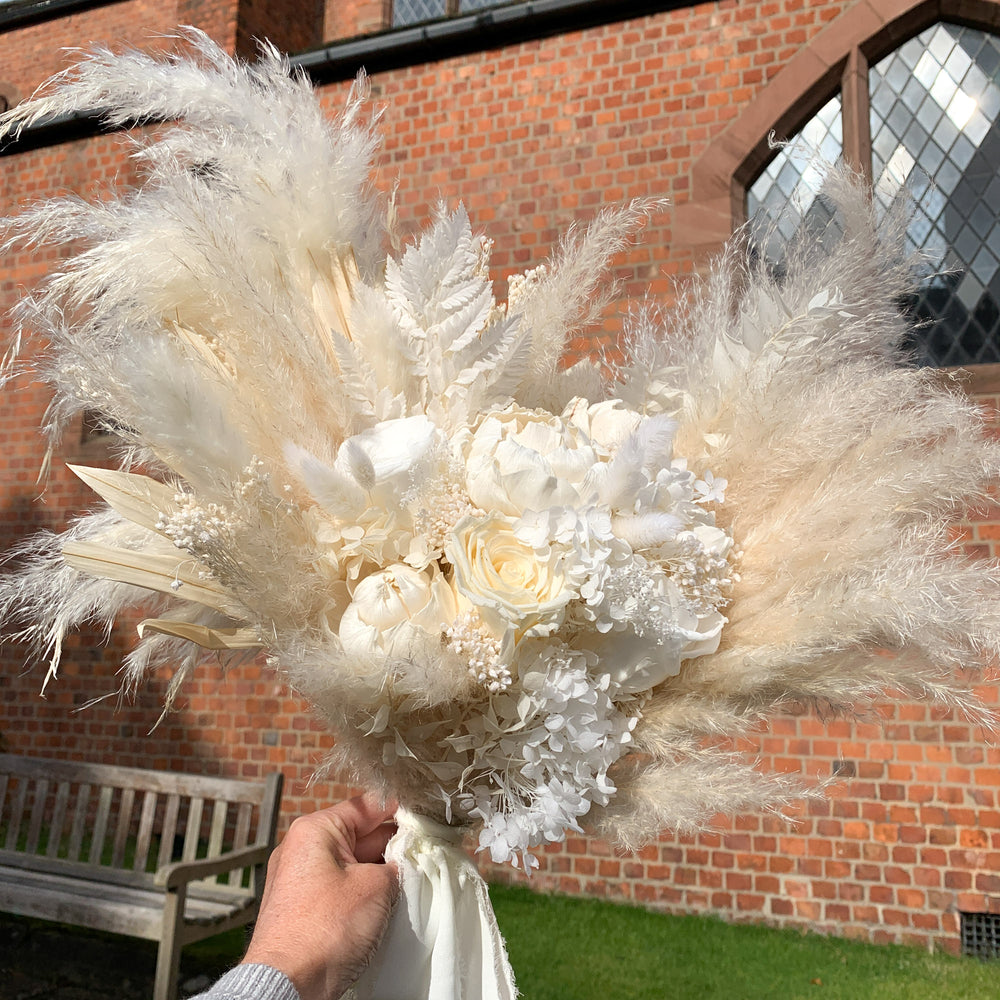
(522, 595)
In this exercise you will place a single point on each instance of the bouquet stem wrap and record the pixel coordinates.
(443, 942)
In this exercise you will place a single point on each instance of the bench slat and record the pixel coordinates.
(122, 909)
(76, 869)
(220, 812)
(41, 791)
(202, 901)
(55, 903)
(79, 819)
(58, 819)
(164, 782)
(241, 838)
(244, 814)
(146, 817)
(122, 827)
(100, 825)
(108, 880)
(192, 830)
(168, 832)
(16, 814)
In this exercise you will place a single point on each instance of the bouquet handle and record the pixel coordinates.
(443, 942)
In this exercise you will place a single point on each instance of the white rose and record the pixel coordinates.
(394, 607)
(519, 460)
(511, 584)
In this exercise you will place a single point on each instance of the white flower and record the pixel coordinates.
(699, 563)
(394, 607)
(714, 541)
(566, 730)
(511, 584)
(648, 627)
(519, 460)
(607, 424)
(710, 489)
(383, 460)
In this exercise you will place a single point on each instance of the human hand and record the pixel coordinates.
(327, 898)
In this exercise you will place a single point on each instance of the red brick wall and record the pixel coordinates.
(534, 137)
(31, 54)
(347, 18)
(892, 853)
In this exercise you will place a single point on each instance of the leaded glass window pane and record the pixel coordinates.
(783, 202)
(411, 11)
(934, 124)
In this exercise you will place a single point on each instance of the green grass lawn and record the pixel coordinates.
(573, 949)
(561, 948)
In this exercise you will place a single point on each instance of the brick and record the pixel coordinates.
(974, 839)
(957, 880)
(887, 832)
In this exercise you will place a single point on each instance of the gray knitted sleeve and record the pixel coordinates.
(251, 982)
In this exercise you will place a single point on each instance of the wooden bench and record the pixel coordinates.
(167, 857)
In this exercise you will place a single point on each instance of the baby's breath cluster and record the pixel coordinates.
(203, 530)
(705, 577)
(439, 512)
(468, 638)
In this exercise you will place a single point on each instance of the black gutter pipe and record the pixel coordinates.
(491, 28)
(18, 15)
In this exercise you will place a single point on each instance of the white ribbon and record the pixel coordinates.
(443, 942)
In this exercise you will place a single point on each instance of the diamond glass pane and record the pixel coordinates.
(784, 200)
(934, 106)
(411, 11)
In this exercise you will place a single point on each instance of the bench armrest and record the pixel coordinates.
(181, 872)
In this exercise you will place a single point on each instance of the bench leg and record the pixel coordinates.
(168, 958)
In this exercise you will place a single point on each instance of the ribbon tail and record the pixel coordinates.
(443, 941)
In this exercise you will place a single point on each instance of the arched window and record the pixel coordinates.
(929, 118)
